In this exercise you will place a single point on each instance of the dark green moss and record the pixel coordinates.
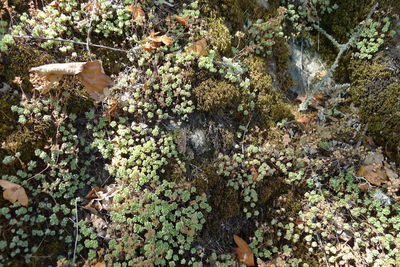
(376, 90)
(18, 60)
(212, 95)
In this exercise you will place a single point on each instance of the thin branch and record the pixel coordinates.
(74, 42)
(327, 35)
(77, 230)
(320, 86)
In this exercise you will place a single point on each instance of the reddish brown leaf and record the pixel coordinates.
(373, 173)
(94, 79)
(137, 13)
(182, 20)
(94, 192)
(304, 119)
(14, 192)
(243, 252)
(199, 47)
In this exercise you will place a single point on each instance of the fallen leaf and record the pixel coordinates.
(304, 119)
(243, 252)
(373, 173)
(182, 20)
(91, 74)
(112, 110)
(137, 13)
(154, 41)
(255, 173)
(363, 186)
(94, 79)
(99, 264)
(94, 192)
(199, 47)
(286, 140)
(14, 192)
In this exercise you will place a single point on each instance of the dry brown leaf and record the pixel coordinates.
(182, 20)
(199, 47)
(99, 264)
(304, 119)
(363, 186)
(154, 41)
(14, 192)
(91, 74)
(286, 140)
(243, 252)
(373, 173)
(137, 13)
(94, 79)
(94, 192)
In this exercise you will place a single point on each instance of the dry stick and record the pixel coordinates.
(320, 86)
(74, 42)
(77, 230)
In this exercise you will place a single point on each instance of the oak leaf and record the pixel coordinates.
(243, 252)
(14, 192)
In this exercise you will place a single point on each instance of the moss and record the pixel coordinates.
(235, 11)
(281, 57)
(18, 60)
(220, 35)
(272, 109)
(261, 81)
(339, 24)
(212, 95)
(269, 102)
(376, 90)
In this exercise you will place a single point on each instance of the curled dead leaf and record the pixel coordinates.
(199, 47)
(154, 41)
(373, 173)
(94, 79)
(243, 251)
(304, 119)
(14, 192)
(90, 73)
(137, 13)
(182, 20)
(94, 192)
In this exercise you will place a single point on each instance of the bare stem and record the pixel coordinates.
(71, 41)
(321, 86)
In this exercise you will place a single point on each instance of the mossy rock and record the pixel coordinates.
(376, 90)
(213, 95)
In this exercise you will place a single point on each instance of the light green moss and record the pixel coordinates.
(220, 35)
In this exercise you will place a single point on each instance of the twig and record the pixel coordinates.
(320, 86)
(74, 42)
(77, 230)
